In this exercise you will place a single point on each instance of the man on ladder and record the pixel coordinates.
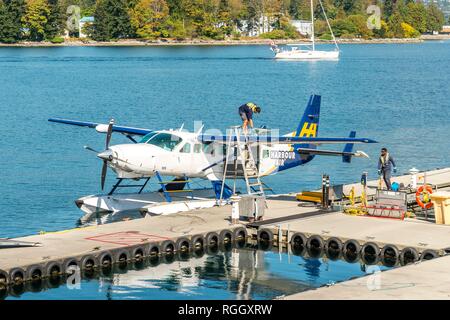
(246, 112)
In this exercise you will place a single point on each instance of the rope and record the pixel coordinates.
(329, 26)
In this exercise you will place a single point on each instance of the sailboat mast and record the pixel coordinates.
(312, 26)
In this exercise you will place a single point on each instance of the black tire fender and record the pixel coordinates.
(69, 263)
(183, 244)
(265, 235)
(122, 256)
(407, 254)
(35, 272)
(4, 278)
(17, 276)
(89, 262)
(225, 236)
(105, 259)
(239, 234)
(390, 252)
(298, 239)
(154, 250)
(428, 254)
(53, 269)
(351, 247)
(334, 244)
(198, 242)
(212, 239)
(138, 253)
(316, 242)
(168, 247)
(370, 248)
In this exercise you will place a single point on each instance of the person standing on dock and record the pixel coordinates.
(246, 112)
(386, 165)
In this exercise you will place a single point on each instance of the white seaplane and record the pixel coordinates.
(186, 155)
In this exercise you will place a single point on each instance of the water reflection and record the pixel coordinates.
(216, 273)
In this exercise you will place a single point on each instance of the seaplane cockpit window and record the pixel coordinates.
(208, 148)
(147, 137)
(165, 141)
(186, 148)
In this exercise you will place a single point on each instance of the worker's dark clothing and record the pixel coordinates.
(245, 112)
(385, 166)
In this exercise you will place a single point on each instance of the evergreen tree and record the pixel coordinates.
(111, 20)
(11, 13)
(56, 23)
(435, 18)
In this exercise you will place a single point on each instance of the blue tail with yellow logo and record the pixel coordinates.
(308, 127)
(309, 124)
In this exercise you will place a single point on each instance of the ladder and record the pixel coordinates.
(242, 152)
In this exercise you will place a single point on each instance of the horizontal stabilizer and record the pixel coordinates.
(308, 151)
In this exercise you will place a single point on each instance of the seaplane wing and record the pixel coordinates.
(103, 128)
(276, 140)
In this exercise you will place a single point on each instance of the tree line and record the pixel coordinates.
(39, 20)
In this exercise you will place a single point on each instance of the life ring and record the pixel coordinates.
(426, 191)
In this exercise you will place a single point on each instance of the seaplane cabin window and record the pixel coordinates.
(165, 141)
(186, 148)
(147, 137)
(197, 148)
(265, 154)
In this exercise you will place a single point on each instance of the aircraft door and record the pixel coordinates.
(185, 158)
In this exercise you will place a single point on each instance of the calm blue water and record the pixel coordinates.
(397, 94)
(239, 274)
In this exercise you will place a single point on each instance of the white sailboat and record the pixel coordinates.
(307, 51)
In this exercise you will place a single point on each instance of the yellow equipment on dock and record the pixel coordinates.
(310, 196)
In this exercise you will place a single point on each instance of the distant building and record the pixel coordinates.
(83, 23)
(255, 28)
(304, 27)
(445, 29)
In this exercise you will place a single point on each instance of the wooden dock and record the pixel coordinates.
(285, 218)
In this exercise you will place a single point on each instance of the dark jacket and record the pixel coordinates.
(386, 165)
(247, 110)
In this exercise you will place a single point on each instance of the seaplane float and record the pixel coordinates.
(181, 156)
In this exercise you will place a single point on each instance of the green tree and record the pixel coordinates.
(36, 19)
(435, 18)
(395, 25)
(11, 13)
(360, 22)
(111, 20)
(56, 22)
(148, 16)
(416, 16)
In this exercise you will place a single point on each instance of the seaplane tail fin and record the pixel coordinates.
(309, 124)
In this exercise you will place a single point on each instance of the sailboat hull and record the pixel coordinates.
(307, 55)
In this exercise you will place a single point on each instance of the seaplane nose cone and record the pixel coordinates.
(106, 155)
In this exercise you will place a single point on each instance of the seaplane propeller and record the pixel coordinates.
(106, 155)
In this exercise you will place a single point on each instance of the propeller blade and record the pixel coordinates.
(104, 169)
(109, 133)
(90, 149)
